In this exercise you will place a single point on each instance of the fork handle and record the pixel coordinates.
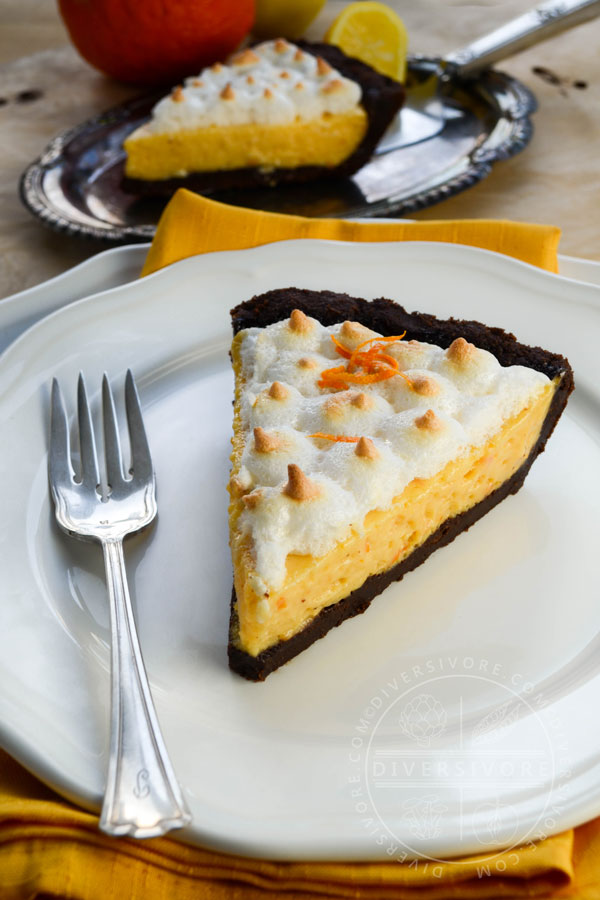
(142, 797)
(538, 24)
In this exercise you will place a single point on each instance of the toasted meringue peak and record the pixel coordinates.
(323, 68)
(298, 55)
(305, 362)
(284, 74)
(278, 391)
(216, 67)
(299, 322)
(228, 93)
(366, 449)
(245, 57)
(460, 351)
(333, 407)
(197, 82)
(298, 486)
(362, 401)
(299, 86)
(265, 442)
(332, 86)
(336, 405)
(252, 500)
(268, 93)
(426, 387)
(281, 45)
(178, 96)
(249, 79)
(428, 421)
(237, 486)
(354, 331)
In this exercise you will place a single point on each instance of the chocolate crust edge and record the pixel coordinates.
(387, 317)
(382, 98)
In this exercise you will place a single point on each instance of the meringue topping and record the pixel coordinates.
(264, 442)
(278, 391)
(245, 57)
(366, 449)
(362, 401)
(305, 362)
(272, 83)
(381, 435)
(333, 407)
(428, 422)
(238, 486)
(425, 386)
(298, 486)
(252, 500)
(299, 322)
(354, 331)
(460, 351)
(332, 87)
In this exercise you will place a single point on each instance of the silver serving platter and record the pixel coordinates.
(446, 139)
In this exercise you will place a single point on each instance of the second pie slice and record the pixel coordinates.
(273, 113)
(365, 437)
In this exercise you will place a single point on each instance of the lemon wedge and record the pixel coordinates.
(373, 33)
(284, 18)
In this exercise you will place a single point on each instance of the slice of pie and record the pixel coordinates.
(274, 112)
(365, 437)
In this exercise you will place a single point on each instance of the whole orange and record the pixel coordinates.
(155, 41)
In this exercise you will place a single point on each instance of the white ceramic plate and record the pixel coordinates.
(119, 265)
(397, 732)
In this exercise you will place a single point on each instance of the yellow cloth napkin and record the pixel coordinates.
(49, 847)
(192, 224)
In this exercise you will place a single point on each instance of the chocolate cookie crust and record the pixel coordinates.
(387, 317)
(381, 99)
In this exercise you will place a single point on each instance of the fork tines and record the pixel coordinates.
(61, 468)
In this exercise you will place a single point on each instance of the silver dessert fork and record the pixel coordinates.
(142, 797)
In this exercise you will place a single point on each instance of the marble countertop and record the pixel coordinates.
(45, 87)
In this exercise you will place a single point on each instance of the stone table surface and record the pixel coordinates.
(45, 87)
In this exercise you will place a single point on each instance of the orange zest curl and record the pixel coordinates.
(376, 372)
(343, 351)
(363, 366)
(334, 378)
(344, 438)
(381, 340)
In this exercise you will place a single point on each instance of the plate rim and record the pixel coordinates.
(501, 259)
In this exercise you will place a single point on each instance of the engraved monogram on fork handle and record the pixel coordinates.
(142, 797)
(140, 787)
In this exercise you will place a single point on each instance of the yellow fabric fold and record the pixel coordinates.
(50, 848)
(192, 224)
